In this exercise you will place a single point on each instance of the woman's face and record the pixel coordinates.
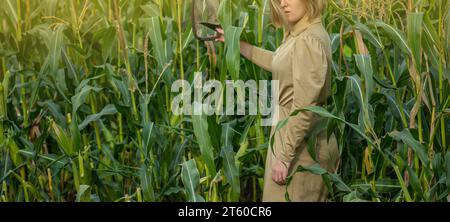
(294, 10)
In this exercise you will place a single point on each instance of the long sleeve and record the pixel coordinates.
(262, 58)
(309, 70)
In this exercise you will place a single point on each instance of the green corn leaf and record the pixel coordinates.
(107, 111)
(414, 180)
(147, 137)
(62, 137)
(369, 34)
(84, 194)
(232, 34)
(145, 176)
(56, 44)
(397, 36)
(447, 169)
(364, 64)
(229, 163)
(200, 125)
(414, 27)
(80, 98)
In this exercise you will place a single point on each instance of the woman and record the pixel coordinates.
(302, 65)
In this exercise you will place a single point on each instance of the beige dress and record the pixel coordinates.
(302, 64)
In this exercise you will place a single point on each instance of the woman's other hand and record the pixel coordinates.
(279, 172)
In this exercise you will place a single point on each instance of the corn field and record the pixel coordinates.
(85, 102)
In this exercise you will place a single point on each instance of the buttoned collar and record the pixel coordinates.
(301, 26)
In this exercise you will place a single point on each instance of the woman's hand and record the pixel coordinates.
(279, 172)
(222, 35)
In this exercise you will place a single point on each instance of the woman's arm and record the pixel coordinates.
(261, 57)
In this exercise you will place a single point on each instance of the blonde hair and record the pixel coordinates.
(314, 9)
